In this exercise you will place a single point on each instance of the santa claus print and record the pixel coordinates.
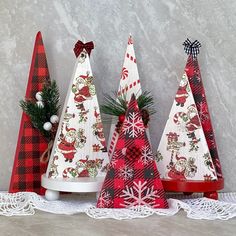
(83, 168)
(182, 168)
(67, 144)
(177, 169)
(83, 90)
(190, 123)
(182, 92)
(193, 122)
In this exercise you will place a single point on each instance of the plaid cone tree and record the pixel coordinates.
(187, 150)
(132, 178)
(195, 80)
(27, 168)
(129, 84)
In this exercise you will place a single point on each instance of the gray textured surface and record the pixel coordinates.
(57, 225)
(158, 27)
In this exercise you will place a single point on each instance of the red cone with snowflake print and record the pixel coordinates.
(132, 178)
(27, 169)
(79, 152)
(129, 84)
(187, 154)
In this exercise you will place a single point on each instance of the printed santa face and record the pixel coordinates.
(180, 165)
(192, 112)
(70, 136)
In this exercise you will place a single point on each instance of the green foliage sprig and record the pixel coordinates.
(41, 114)
(117, 106)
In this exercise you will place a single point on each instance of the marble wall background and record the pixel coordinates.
(158, 28)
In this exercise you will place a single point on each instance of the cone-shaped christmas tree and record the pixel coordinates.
(132, 178)
(79, 151)
(194, 76)
(187, 151)
(129, 84)
(27, 168)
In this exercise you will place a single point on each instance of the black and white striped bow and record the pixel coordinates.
(192, 48)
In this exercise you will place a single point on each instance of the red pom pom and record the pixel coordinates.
(133, 153)
(121, 118)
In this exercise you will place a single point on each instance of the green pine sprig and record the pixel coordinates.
(39, 115)
(116, 106)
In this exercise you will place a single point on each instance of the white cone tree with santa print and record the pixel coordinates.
(79, 152)
(187, 160)
(183, 145)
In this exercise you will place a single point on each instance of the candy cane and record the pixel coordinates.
(114, 140)
(177, 116)
(68, 172)
(131, 57)
(128, 87)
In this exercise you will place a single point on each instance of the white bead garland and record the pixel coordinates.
(54, 119)
(47, 126)
(38, 96)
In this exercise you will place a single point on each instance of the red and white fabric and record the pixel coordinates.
(132, 178)
(129, 84)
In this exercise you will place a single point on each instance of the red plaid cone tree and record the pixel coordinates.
(132, 178)
(195, 80)
(27, 169)
(187, 154)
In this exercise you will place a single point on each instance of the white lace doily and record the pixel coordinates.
(25, 203)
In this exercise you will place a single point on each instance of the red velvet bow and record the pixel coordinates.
(79, 46)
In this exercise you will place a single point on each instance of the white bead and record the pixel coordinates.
(47, 126)
(40, 104)
(38, 96)
(54, 119)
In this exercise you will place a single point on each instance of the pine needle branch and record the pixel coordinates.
(38, 114)
(116, 106)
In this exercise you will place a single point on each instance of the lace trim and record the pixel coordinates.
(196, 207)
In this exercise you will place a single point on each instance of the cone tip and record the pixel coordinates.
(133, 97)
(39, 34)
(130, 39)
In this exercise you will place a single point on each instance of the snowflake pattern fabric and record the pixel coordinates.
(139, 194)
(133, 125)
(132, 178)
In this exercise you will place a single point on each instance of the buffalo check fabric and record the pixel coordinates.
(195, 80)
(187, 150)
(27, 168)
(132, 178)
